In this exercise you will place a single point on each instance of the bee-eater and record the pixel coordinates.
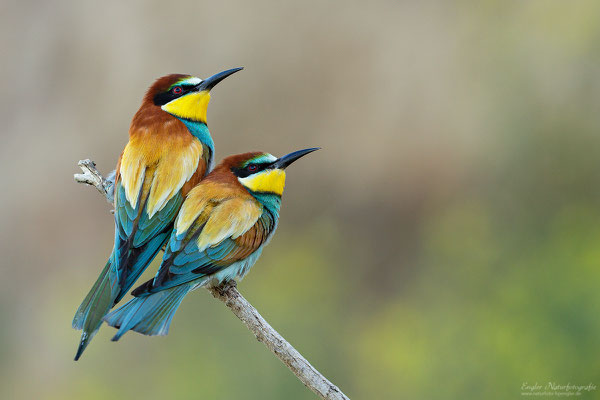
(169, 151)
(220, 232)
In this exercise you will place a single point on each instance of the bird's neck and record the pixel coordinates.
(270, 201)
(200, 131)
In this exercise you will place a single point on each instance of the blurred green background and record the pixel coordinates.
(444, 244)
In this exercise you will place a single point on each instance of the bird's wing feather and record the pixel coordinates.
(147, 199)
(222, 233)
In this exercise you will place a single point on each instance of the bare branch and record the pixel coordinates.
(227, 292)
(92, 177)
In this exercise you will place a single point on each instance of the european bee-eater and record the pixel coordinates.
(220, 232)
(169, 151)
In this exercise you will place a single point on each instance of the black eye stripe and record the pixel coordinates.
(248, 169)
(165, 97)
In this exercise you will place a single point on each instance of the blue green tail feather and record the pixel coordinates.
(106, 292)
(96, 304)
(149, 315)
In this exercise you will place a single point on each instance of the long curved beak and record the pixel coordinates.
(283, 162)
(212, 81)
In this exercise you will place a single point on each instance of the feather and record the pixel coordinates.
(149, 315)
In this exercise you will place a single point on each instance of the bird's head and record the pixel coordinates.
(185, 96)
(262, 172)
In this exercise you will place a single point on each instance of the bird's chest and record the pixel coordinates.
(158, 165)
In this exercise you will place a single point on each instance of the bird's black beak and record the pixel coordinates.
(211, 82)
(283, 162)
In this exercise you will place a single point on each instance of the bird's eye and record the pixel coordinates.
(252, 167)
(177, 90)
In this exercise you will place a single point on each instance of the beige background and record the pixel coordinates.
(443, 244)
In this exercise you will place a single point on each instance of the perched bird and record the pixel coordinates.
(169, 151)
(220, 232)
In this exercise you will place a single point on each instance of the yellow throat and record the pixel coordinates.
(270, 180)
(192, 106)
